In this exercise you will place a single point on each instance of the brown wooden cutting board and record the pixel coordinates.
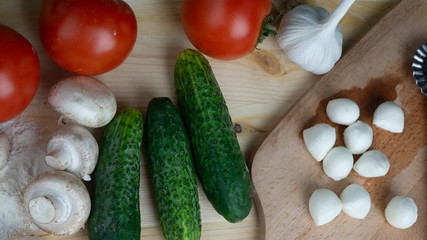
(376, 69)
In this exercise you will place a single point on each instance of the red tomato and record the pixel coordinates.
(19, 73)
(224, 29)
(87, 37)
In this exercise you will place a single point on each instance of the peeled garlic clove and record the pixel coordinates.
(338, 163)
(356, 201)
(401, 212)
(389, 116)
(342, 111)
(372, 164)
(324, 206)
(358, 137)
(319, 139)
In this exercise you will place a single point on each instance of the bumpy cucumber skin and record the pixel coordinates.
(115, 207)
(219, 162)
(172, 172)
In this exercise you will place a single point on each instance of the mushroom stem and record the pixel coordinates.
(59, 159)
(46, 209)
(73, 148)
(57, 202)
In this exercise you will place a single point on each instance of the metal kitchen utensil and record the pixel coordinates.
(419, 68)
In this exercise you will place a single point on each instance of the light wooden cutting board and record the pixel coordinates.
(376, 69)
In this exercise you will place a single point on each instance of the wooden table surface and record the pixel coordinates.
(259, 88)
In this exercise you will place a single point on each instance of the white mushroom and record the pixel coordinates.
(372, 163)
(342, 111)
(401, 212)
(74, 149)
(84, 100)
(338, 163)
(319, 139)
(389, 116)
(4, 149)
(324, 206)
(57, 202)
(356, 201)
(358, 137)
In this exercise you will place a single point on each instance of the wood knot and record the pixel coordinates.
(238, 128)
(267, 61)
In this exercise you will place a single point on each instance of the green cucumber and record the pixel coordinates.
(115, 202)
(219, 162)
(172, 172)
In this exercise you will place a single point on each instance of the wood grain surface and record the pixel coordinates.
(259, 90)
(376, 69)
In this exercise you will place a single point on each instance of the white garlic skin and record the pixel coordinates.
(307, 42)
(372, 163)
(338, 163)
(401, 212)
(319, 139)
(356, 201)
(343, 111)
(324, 206)
(358, 137)
(389, 116)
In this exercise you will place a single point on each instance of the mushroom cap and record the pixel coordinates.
(84, 100)
(80, 146)
(67, 188)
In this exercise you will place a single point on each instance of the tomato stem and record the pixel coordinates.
(266, 29)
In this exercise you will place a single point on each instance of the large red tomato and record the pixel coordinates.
(87, 37)
(19, 73)
(224, 29)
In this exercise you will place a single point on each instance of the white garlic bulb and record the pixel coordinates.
(311, 37)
